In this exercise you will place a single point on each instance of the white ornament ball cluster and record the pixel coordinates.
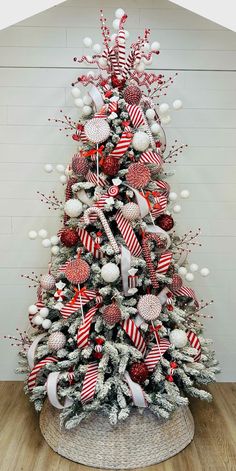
(40, 316)
(193, 267)
(110, 272)
(140, 141)
(73, 208)
(48, 168)
(47, 242)
(178, 338)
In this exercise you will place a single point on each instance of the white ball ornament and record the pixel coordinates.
(73, 208)
(177, 208)
(46, 324)
(178, 338)
(32, 235)
(140, 141)
(42, 233)
(150, 114)
(119, 13)
(54, 240)
(63, 179)
(140, 67)
(46, 243)
(102, 62)
(110, 272)
(55, 250)
(182, 271)
(60, 168)
(189, 277)
(184, 194)
(164, 108)
(97, 48)
(75, 92)
(155, 46)
(177, 105)
(79, 103)
(37, 320)
(32, 309)
(86, 110)
(155, 128)
(193, 267)
(56, 341)
(173, 196)
(116, 24)
(87, 42)
(48, 168)
(87, 100)
(165, 119)
(44, 311)
(204, 271)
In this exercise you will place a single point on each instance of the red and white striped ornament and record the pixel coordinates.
(95, 179)
(147, 257)
(105, 224)
(89, 383)
(33, 374)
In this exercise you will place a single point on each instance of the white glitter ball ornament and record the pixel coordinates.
(178, 338)
(140, 141)
(110, 272)
(149, 307)
(131, 211)
(47, 282)
(73, 208)
(56, 341)
(97, 130)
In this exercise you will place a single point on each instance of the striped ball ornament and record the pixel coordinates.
(80, 165)
(77, 271)
(132, 95)
(112, 314)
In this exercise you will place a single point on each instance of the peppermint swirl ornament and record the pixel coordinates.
(149, 307)
(138, 175)
(77, 271)
(97, 130)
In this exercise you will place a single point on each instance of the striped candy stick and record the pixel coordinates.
(128, 234)
(195, 343)
(133, 332)
(155, 354)
(34, 372)
(121, 49)
(89, 383)
(84, 328)
(95, 179)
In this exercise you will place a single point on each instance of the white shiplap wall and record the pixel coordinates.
(36, 70)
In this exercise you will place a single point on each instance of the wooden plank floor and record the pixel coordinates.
(22, 447)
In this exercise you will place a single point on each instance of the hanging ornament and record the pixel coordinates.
(165, 222)
(80, 165)
(138, 372)
(77, 271)
(131, 211)
(110, 166)
(73, 208)
(69, 237)
(110, 272)
(112, 314)
(98, 348)
(47, 282)
(132, 95)
(140, 141)
(138, 175)
(56, 341)
(176, 282)
(97, 130)
(178, 338)
(149, 307)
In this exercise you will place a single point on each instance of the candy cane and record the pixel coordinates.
(147, 257)
(105, 224)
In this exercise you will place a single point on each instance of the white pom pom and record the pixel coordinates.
(140, 67)
(177, 105)
(48, 168)
(177, 208)
(46, 243)
(116, 24)
(87, 42)
(150, 114)
(97, 48)
(63, 179)
(32, 235)
(79, 103)
(87, 100)
(127, 34)
(55, 250)
(182, 271)
(32, 309)
(54, 240)
(164, 108)
(110, 272)
(75, 92)
(44, 311)
(184, 194)
(60, 168)
(73, 208)
(193, 267)
(155, 128)
(37, 320)
(46, 324)
(173, 196)
(178, 338)
(204, 271)
(189, 277)
(165, 119)
(42, 233)
(119, 13)
(155, 46)
(146, 47)
(140, 141)
(87, 110)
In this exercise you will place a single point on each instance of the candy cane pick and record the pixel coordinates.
(105, 224)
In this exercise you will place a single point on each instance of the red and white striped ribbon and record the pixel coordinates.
(128, 234)
(89, 243)
(84, 328)
(194, 341)
(70, 307)
(122, 145)
(89, 383)
(164, 262)
(156, 353)
(62, 268)
(150, 157)
(161, 203)
(188, 292)
(94, 178)
(134, 333)
(33, 374)
(164, 186)
(136, 115)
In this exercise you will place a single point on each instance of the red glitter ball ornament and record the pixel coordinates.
(176, 282)
(69, 237)
(80, 165)
(138, 175)
(77, 271)
(132, 95)
(110, 166)
(111, 314)
(165, 221)
(138, 372)
(117, 83)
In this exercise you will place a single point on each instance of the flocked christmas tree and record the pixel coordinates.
(114, 326)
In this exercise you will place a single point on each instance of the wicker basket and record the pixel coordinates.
(141, 440)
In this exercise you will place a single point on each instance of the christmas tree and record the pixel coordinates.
(114, 326)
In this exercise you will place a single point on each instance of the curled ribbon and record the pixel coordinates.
(78, 292)
(93, 152)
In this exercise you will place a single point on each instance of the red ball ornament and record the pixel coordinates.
(176, 282)
(165, 222)
(117, 83)
(132, 95)
(80, 165)
(77, 271)
(138, 175)
(138, 372)
(110, 166)
(69, 237)
(111, 314)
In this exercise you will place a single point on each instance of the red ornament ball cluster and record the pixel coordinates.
(110, 166)
(112, 314)
(132, 95)
(138, 372)
(138, 175)
(165, 222)
(80, 165)
(69, 237)
(77, 271)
